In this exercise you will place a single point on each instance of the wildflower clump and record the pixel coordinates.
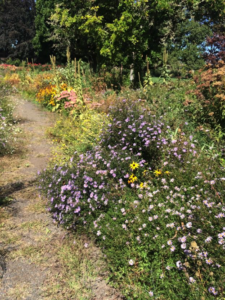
(154, 203)
(5, 126)
(46, 95)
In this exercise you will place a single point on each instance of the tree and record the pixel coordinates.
(216, 48)
(187, 47)
(17, 28)
(125, 31)
(43, 47)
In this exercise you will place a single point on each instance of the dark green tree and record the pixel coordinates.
(43, 47)
(17, 28)
(187, 48)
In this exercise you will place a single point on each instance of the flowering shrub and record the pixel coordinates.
(210, 93)
(70, 101)
(8, 67)
(12, 79)
(46, 95)
(39, 67)
(153, 202)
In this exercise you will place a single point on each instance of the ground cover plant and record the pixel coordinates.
(154, 202)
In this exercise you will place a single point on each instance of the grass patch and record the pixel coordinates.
(19, 291)
(37, 207)
(36, 226)
(33, 253)
(80, 265)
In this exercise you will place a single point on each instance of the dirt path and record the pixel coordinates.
(38, 260)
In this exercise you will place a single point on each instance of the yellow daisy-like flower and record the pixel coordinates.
(134, 165)
(157, 172)
(135, 179)
(141, 185)
(167, 172)
(132, 178)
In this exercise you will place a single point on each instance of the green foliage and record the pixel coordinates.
(80, 134)
(43, 12)
(125, 33)
(15, 62)
(17, 28)
(187, 46)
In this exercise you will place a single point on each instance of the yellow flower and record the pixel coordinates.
(135, 179)
(132, 178)
(157, 172)
(167, 172)
(134, 165)
(141, 185)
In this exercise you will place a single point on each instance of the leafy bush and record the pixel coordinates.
(153, 202)
(210, 93)
(77, 134)
(15, 62)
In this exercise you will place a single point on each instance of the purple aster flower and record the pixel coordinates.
(172, 249)
(208, 239)
(212, 290)
(209, 261)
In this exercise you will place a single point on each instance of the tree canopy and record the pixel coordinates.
(17, 28)
(126, 31)
(118, 33)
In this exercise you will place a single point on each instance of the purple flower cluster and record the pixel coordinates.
(3, 131)
(174, 212)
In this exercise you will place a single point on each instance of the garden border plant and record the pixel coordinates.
(154, 204)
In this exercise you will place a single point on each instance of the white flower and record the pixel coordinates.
(179, 264)
(191, 279)
(183, 246)
(189, 225)
(169, 243)
(131, 262)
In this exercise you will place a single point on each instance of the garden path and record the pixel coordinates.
(31, 246)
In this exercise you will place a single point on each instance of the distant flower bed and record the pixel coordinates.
(6, 66)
